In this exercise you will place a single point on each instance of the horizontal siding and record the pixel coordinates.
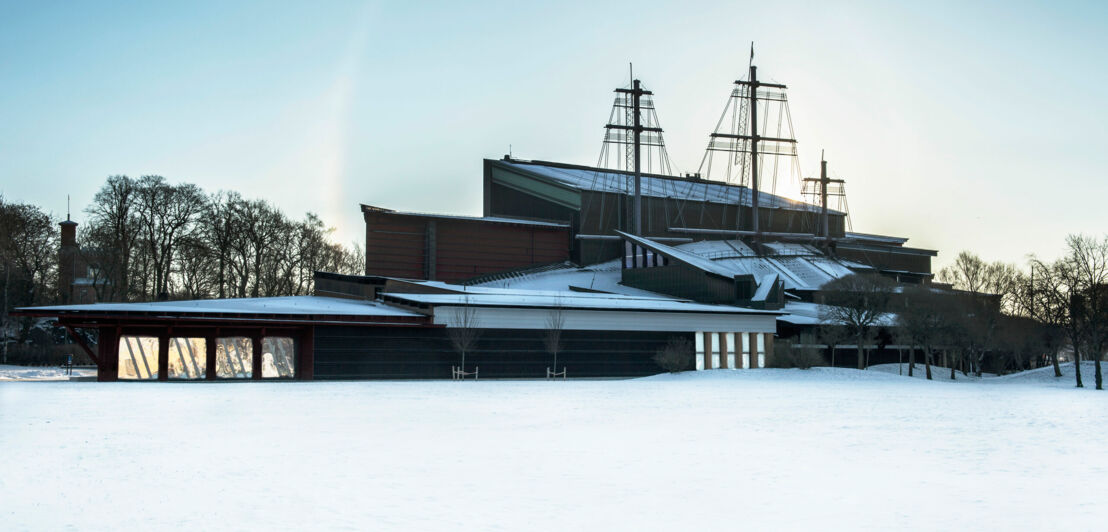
(605, 320)
(413, 353)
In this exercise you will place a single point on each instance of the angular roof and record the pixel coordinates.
(672, 253)
(499, 297)
(289, 306)
(653, 185)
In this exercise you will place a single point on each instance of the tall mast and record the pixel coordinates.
(754, 152)
(824, 220)
(636, 127)
(824, 182)
(748, 140)
(636, 96)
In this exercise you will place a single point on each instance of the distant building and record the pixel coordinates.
(77, 273)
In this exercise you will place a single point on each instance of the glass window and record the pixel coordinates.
(234, 357)
(138, 357)
(278, 357)
(188, 358)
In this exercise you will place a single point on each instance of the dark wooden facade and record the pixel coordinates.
(449, 248)
(110, 327)
(415, 353)
(510, 190)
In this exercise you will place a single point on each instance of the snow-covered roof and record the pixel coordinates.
(691, 259)
(800, 266)
(884, 239)
(291, 305)
(604, 180)
(568, 300)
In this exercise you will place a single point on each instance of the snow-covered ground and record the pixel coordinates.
(41, 373)
(719, 450)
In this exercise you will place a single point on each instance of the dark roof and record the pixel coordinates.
(653, 185)
(488, 219)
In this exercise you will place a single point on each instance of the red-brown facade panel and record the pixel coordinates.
(446, 248)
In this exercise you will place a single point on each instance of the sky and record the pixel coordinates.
(961, 125)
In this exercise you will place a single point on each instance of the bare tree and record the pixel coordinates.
(112, 236)
(1046, 303)
(1084, 272)
(967, 273)
(465, 331)
(857, 302)
(552, 335)
(927, 319)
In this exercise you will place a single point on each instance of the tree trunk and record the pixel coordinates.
(911, 360)
(1077, 367)
(1098, 376)
(861, 354)
(952, 372)
(1054, 360)
(927, 361)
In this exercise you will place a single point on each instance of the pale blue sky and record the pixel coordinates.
(959, 125)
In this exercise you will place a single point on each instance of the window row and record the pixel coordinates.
(234, 357)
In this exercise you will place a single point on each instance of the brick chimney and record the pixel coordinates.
(67, 261)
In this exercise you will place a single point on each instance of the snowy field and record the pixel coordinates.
(721, 450)
(41, 373)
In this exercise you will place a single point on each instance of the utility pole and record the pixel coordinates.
(636, 92)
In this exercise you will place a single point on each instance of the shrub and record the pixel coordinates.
(676, 355)
(785, 355)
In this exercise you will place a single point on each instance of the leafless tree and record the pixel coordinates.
(1046, 302)
(927, 318)
(857, 302)
(465, 330)
(1084, 271)
(552, 335)
(110, 239)
(28, 245)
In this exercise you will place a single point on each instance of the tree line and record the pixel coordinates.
(984, 315)
(147, 239)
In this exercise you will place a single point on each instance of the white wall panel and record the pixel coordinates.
(609, 320)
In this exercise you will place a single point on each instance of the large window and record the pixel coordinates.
(234, 357)
(278, 357)
(188, 358)
(138, 357)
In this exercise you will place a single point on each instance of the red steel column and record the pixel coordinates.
(107, 349)
(209, 356)
(256, 358)
(305, 365)
(163, 356)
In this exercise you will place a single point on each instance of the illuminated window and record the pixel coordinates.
(187, 358)
(234, 357)
(278, 357)
(138, 357)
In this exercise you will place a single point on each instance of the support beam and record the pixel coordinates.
(256, 356)
(675, 239)
(107, 345)
(209, 355)
(803, 237)
(305, 360)
(82, 344)
(163, 355)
